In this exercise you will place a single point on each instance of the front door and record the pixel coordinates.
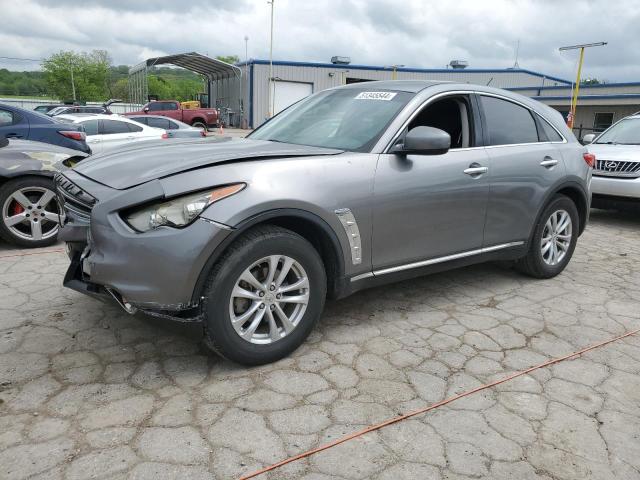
(427, 207)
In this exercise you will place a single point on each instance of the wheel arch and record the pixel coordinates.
(306, 224)
(576, 193)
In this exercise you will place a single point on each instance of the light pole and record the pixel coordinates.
(245, 85)
(270, 108)
(574, 98)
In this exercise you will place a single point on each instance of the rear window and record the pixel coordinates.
(143, 120)
(111, 127)
(90, 127)
(134, 128)
(159, 123)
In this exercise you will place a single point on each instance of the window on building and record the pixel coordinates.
(602, 121)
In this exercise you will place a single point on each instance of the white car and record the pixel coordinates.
(616, 176)
(106, 132)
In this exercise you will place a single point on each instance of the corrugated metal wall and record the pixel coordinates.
(323, 77)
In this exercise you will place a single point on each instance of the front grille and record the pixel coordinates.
(615, 168)
(73, 199)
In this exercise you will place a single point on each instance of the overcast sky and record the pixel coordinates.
(415, 33)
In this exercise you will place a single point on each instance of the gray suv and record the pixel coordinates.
(350, 188)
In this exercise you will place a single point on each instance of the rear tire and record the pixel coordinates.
(264, 336)
(553, 241)
(201, 125)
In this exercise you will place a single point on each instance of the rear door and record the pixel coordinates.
(525, 164)
(94, 139)
(114, 133)
(13, 125)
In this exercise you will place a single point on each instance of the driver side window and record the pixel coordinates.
(451, 114)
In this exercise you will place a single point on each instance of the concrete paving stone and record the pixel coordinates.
(182, 445)
(101, 463)
(300, 420)
(23, 461)
(18, 367)
(187, 371)
(295, 383)
(410, 471)
(167, 471)
(358, 459)
(128, 411)
(120, 391)
(227, 390)
(415, 441)
(110, 437)
(175, 412)
(466, 459)
(246, 432)
(47, 428)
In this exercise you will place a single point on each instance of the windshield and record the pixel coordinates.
(346, 119)
(625, 132)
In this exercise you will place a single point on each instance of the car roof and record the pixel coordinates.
(76, 117)
(411, 86)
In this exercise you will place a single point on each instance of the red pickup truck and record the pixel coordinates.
(197, 117)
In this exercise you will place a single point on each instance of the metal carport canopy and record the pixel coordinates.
(210, 67)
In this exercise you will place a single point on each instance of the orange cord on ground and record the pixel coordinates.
(58, 250)
(431, 407)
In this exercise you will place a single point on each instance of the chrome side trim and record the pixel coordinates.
(217, 224)
(352, 231)
(433, 261)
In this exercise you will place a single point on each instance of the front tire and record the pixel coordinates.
(264, 296)
(554, 239)
(29, 212)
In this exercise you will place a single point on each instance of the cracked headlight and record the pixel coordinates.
(178, 211)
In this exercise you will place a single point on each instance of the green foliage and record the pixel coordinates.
(232, 59)
(96, 80)
(22, 83)
(90, 73)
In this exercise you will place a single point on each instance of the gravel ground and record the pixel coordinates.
(87, 391)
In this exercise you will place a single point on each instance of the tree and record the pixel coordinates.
(86, 73)
(232, 59)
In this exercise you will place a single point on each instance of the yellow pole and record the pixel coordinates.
(394, 76)
(574, 100)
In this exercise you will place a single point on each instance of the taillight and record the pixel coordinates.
(72, 134)
(590, 159)
(165, 136)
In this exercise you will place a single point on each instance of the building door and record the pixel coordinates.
(288, 93)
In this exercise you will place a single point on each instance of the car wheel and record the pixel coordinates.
(264, 296)
(30, 212)
(200, 125)
(554, 240)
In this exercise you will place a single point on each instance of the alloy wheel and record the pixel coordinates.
(556, 237)
(269, 299)
(32, 213)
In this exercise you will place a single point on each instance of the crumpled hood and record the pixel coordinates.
(128, 167)
(616, 153)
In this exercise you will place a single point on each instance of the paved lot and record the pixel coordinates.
(89, 392)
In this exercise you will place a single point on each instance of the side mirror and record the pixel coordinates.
(588, 138)
(145, 109)
(424, 141)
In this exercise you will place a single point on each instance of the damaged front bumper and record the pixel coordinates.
(155, 272)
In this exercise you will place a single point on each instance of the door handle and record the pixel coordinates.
(476, 169)
(549, 162)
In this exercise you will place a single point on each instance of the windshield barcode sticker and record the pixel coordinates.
(386, 96)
